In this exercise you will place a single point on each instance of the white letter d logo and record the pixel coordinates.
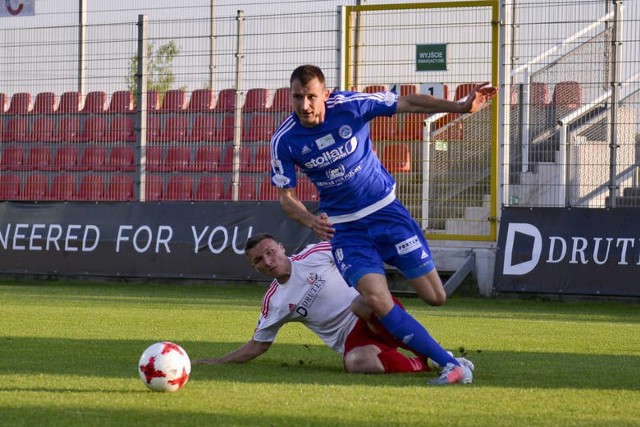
(522, 267)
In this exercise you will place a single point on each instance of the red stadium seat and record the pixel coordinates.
(176, 129)
(154, 127)
(567, 95)
(256, 100)
(12, 158)
(3, 103)
(261, 161)
(260, 128)
(201, 100)
(154, 158)
(227, 160)
(70, 103)
(68, 129)
(92, 159)
(246, 188)
(153, 101)
(43, 130)
(539, 94)
(36, 187)
(179, 187)
(267, 190)
(95, 102)
(207, 159)
(94, 129)
(121, 102)
(153, 188)
(204, 128)
(17, 130)
(225, 131)
(66, 158)
(178, 158)
(38, 158)
(92, 187)
(121, 159)
(384, 128)
(121, 129)
(281, 100)
(396, 157)
(375, 88)
(121, 188)
(63, 187)
(413, 127)
(45, 103)
(463, 90)
(20, 103)
(210, 187)
(305, 190)
(226, 101)
(408, 89)
(9, 187)
(174, 101)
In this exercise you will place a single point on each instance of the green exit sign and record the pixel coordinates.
(431, 57)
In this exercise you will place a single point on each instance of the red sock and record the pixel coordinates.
(394, 361)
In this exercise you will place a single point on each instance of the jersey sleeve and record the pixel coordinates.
(283, 167)
(378, 104)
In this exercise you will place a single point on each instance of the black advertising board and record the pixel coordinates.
(161, 240)
(575, 251)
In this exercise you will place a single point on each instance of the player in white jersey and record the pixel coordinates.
(309, 289)
(328, 138)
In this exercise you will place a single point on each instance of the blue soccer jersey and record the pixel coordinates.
(337, 155)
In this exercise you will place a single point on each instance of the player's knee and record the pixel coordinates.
(438, 298)
(360, 308)
(363, 360)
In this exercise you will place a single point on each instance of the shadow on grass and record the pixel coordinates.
(314, 364)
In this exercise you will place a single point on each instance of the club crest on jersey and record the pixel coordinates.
(345, 131)
(311, 278)
(336, 172)
(325, 141)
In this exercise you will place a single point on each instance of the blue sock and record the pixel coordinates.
(408, 330)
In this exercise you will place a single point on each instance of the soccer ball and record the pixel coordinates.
(164, 366)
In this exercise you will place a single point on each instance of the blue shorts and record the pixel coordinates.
(388, 235)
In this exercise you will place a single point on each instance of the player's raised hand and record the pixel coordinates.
(479, 96)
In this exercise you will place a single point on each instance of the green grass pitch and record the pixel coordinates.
(69, 352)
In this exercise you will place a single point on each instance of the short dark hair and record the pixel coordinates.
(305, 73)
(253, 241)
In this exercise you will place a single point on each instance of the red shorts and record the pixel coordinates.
(361, 334)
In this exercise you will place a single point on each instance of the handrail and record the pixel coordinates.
(569, 39)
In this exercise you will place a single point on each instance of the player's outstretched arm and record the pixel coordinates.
(248, 351)
(297, 211)
(420, 103)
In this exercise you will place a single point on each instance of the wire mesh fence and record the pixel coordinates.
(70, 123)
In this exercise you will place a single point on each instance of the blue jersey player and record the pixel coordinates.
(328, 138)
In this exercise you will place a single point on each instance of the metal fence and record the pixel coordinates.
(564, 131)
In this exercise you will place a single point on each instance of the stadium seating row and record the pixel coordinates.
(174, 158)
(172, 128)
(256, 99)
(396, 157)
(123, 101)
(121, 187)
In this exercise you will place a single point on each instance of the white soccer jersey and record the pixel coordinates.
(315, 295)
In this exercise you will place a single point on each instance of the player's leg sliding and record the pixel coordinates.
(396, 362)
(407, 329)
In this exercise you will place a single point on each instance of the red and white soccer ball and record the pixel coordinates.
(164, 366)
